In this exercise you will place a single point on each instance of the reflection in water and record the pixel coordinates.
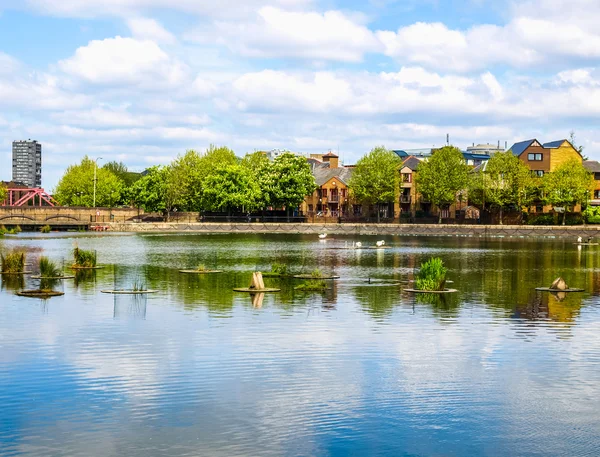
(360, 369)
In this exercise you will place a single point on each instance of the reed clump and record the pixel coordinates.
(13, 262)
(83, 258)
(432, 275)
(316, 273)
(313, 285)
(46, 229)
(49, 269)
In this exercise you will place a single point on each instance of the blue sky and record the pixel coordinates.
(141, 81)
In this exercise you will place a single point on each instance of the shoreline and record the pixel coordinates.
(362, 229)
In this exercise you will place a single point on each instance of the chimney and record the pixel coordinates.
(332, 159)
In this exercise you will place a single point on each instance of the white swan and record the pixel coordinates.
(380, 243)
(579, 240)
(322, 236)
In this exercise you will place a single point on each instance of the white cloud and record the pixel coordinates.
(127, 8)
(274, 32)
(149, 29)
(125, 61)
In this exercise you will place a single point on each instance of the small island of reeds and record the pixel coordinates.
(431, 278)
(83, 259)
(200, 270)
(316, 274)
(278, 270)
(313, 286)
(49, 270)
(13, 263)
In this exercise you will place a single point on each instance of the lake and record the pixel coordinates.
(361, 369)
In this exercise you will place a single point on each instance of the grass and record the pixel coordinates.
(85, 259)
(432, 275)
(316, 273)
(201, 267)
(48, 269)
(138, 285)
(13, 262)
(46, 229)
(312, 286)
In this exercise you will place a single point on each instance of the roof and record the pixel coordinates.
(330, 154)
(475, 156)
(518, 148)
(554, 144)
(412, 163)
(401, 154)
(322, 175)
(592, 165)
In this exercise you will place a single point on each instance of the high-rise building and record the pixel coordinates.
(27, 163)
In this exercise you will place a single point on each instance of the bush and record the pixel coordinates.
(592, 214)
(46, 229)
(48, 269)
(574, 219)
(85, 259)
(542, 219)
(13, 262)
(432, 275)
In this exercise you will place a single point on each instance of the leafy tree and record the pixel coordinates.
(189, 170)
(507, 181)
(288, 181)
(230, 187)
(258, 165)
(76, 187)
(573, 141)
(568, 185)
(375, 179)
(3, 193)
(157, 191)
(441, 177)
(120, 170)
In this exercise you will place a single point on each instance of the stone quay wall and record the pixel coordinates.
(365, 229)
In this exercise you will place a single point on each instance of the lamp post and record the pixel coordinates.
(95, 177)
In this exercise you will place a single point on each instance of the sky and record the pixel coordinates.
(141, 81)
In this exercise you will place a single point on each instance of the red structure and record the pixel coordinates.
(23, 196)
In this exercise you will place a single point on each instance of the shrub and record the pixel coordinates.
(86, 259)
(542, 219)
(48, 269)
(3, 230)
(592, 214)
(432, 275)
(13, 262)
(316, 273)
(46, 229)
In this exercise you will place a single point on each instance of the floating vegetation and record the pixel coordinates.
(83, 258)
(312, 286)
(201, 268)
(432, 275)
(138, 285)
(40, 293)
(49, 269)
(316, 273)
(13, 263)
(46, 229)
(278, 270)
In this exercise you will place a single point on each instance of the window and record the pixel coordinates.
(596, 194)
(539, 209)
(538, 173)
(535, 157)
(407, 177)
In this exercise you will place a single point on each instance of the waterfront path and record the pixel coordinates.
(365, 229)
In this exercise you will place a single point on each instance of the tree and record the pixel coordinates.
(120, 170)
(259, 167)
(568, 185)
(157, 191)
(189, 170)
(375, 178)
(288, 181)
(441, 177)
(3, 193)
(573, 141)
(76, 187)
(230, 187)
(507, 181)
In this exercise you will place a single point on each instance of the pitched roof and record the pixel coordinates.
(330, 154)
(592, 165)
(518, 148)
(322, 175)
(400, 153)
(412, 163)
(554, 144)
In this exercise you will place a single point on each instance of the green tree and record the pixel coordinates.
(440, 178)
(189, 170)
(157, 191)
(288, 182)
(507, 181)
(230, 187)
(375, 178)
(76, 187)
(568, 185)
(3, 193)
(259, 167)
(120, 170)
(573, 141)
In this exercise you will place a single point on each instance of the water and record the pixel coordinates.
(362, 369)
